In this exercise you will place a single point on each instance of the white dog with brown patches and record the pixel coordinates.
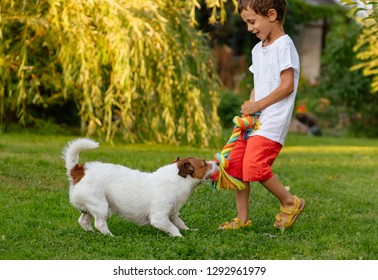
(100, 189)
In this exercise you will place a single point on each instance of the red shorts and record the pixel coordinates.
(251, 159)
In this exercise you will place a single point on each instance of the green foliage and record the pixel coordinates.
(133, 68)
(337, 59)
(348, 90)
(366, 46)
(38, 222)
(219, 10)
(229, 107)
(300, 12)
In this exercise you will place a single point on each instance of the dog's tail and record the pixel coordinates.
(73, 149)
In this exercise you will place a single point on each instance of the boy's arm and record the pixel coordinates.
(285, 88)
(252, 96)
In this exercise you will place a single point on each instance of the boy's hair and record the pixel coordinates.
(261, 7)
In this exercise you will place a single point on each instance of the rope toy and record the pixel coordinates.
(223, 179)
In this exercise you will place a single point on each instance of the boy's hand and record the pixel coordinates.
(249, 107)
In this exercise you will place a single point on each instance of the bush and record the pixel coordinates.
(229, 107)
(348, 90)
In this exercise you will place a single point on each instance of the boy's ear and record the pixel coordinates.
(272, 14)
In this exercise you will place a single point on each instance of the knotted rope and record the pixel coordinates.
(225, 180)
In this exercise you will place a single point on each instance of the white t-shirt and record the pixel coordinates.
(267, 64)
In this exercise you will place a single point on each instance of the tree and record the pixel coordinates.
(133, 68)
(366, 46)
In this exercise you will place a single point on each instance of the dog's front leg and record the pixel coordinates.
(164, 224)
(85, 221)
(101, 225)
(175, 219)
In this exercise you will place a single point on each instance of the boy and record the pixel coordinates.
(275, 67)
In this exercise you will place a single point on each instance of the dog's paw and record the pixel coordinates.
(109, 234)
(176, 234)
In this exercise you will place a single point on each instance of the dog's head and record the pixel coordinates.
(196, 168)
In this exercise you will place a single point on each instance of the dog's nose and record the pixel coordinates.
(217, 163)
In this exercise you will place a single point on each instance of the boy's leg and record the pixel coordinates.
(235, 169)
(242, 202)
(242, 205)
(291, 206)
(278, 190)
(262, 153)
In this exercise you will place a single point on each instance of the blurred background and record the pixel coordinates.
(163, 72)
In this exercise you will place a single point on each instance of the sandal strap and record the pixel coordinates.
(292, 210)
(235, 223)
(278, 217)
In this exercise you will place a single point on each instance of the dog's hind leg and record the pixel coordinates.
(165, 225)
(85, 221)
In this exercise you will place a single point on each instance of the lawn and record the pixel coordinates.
(337, 177)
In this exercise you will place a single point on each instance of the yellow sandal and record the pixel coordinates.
(292, 213)
(235, 223)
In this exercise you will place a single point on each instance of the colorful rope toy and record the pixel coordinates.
(223, 179)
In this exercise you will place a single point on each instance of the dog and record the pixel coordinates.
(99, 190)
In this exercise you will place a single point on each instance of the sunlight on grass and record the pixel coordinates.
(331, 149)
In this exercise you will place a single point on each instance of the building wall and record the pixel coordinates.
(310, 45)
(309, 48)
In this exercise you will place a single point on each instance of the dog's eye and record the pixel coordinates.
(204, 162)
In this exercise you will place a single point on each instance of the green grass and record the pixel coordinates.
(336, 176)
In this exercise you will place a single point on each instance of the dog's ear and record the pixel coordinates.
(185, 168)
(189, 168)
(176, 160)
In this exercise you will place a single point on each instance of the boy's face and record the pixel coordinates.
(259, 25)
